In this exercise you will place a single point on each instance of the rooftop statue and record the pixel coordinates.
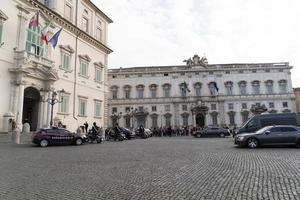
(196, 61)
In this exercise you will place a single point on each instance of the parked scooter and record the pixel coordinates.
(93, 136)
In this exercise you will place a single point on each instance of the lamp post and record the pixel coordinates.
(53, 100)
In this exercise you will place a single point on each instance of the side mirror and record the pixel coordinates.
(267, 132)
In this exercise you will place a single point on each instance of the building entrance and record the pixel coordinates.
(200, 120)
(31, 107)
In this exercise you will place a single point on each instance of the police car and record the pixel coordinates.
(56, 136)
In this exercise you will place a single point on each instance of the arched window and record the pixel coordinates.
(183, 89)
(243, 87)
(255, 88)
(269, 86)
(114, 91)
(185, 119)
(213, 88)
(197, 87)
(229, 87)
(167, 90)
(34, 44)
(153, 90)
(127, 91)
(282, 86)
(140, 91)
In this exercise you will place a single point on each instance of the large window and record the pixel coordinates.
(243, 87)
(255, 88)
(114, 91)
(185, 119)
(214, 117)
(34, 44)
(127, 89)
(212, 86)
(98, 74)
(154, 121)
(64, 105)
(282, 86)
(66, 58)
(140, 91)
(245, 115)
(82, 107)
(229, 88)
(99, 31)
(153, 90)
(197, 87)
(167, 90)
(83, 68)
(231, 116)
(85, 24)
(98, 105)
(269, 86)
(168, 119)
(68, 12)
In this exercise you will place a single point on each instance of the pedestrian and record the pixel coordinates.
(86, 126)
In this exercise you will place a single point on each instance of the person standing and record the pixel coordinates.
(86, 126)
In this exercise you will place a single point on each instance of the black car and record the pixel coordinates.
(56, 136)
(212, 131)
(128, 133)
(270, 135)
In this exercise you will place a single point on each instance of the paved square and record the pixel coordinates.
(155, 168)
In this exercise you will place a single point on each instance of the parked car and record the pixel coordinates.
(56, 136)
(212, 131)
(259, 121)
(270, 135)
(128, 133)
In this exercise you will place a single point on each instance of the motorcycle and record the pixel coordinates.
(111, 134)
(91, 137)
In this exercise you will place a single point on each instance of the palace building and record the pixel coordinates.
(42, 84)
(198, 93)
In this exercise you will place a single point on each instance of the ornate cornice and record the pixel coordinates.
(57, 18)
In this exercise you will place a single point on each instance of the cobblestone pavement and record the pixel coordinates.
(155, 168)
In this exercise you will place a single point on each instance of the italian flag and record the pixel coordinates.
(44, 33)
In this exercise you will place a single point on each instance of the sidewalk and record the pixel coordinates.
(25, 138)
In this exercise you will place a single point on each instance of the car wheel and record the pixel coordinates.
(44, 143)
(252, 143)
(198, 135)
(78, 141)
(222, 135)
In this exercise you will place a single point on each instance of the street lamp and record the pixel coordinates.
(53, 100)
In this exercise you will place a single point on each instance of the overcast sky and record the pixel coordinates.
(165, 32)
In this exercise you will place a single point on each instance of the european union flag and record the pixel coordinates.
(54, 38)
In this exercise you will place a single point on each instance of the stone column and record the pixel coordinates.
(20, 104)
(41, 114)
(48, 110)
(194, 119)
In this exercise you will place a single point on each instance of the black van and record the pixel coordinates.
(259, 121)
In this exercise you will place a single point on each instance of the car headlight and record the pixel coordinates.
(241, 138)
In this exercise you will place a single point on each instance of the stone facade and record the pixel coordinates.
(297, 96)
(198, 93)
(33, 73)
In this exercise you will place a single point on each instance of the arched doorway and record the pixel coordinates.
(31, 107)
(200, 120)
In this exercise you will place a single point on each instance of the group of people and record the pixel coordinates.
(95, 128)
(169, 131)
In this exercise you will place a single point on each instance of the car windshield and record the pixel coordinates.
(263, 129)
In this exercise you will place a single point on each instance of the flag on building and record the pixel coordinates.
(34, 21)
(216, 87)
(54, 38)
(44, 33)
(185, 87)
